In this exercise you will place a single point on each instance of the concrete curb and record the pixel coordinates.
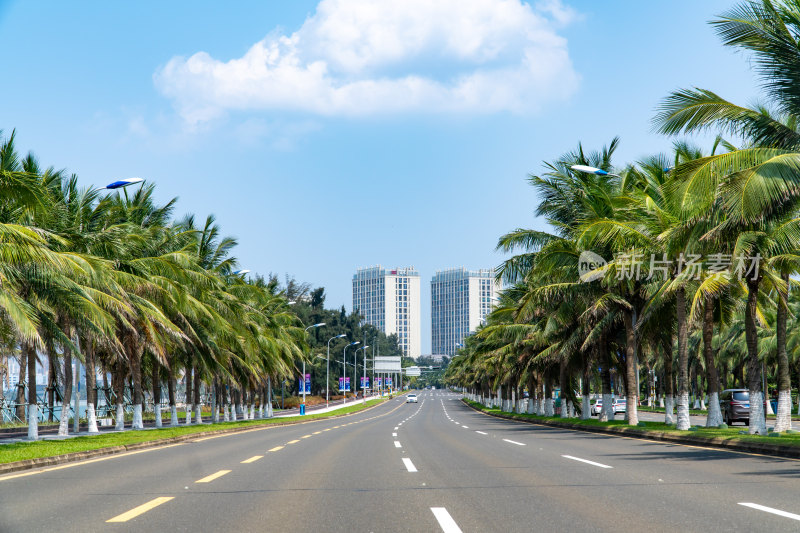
(27, 464)
(775, 450)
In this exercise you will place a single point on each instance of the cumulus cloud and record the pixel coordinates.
(362, 57)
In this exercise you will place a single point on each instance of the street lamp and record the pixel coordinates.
(592, 170)
(355, 370)
(303, 405)
(328, 367)
(121, 184)
(344, 367)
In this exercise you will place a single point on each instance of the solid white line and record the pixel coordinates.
(771, 510)
(395, 428)
(397, 444)
(515, 442)
(481, 432)
(465, 427)
(394, 434)
(446, 521)
(409, 465)
(586, 461)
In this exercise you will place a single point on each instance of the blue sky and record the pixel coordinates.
(329, 136)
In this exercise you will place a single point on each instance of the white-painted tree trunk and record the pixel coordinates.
(91, 416)
(669, 407)
(226, 416)
(696, 404)
(683, 412)
(703, 404)
(607, 409)
(549, 407)
(173, 415)
(215, 413)
(661, 402)
(252, 411)
(758, 423)
(586, 408)
(531, 406)
(783, 420)
(120, 418)
(564, 413)
(198, 414)
(159, 423)
(137, 417)
(188, 413)
(63, 424)
(540, 407)
(714, 417)
(233, 413)
(33, 420)
(769, 408)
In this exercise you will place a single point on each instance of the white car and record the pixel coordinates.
(597, 408)
(411, 398)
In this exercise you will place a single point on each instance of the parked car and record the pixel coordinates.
(411, 398)
(735, 405)
(619, 405)
(597, 408)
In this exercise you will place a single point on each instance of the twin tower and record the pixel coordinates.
(389, 299)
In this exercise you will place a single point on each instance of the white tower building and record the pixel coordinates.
(389, 299)
(460, 301)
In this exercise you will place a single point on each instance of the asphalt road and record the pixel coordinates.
(431, 466)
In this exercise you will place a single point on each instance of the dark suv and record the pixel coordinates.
(735, 405)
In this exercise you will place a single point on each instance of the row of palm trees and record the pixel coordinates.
(115, 281)
(676, 261)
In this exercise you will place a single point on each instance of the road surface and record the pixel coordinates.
(432, 466)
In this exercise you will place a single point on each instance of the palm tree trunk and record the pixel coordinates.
(668, 383)
(783, 419)
(562, 379)
(586, 388)
(188, 402)
(173, 408)
(214, 402)
(23, 368)
(63, 422)
(631, 389)
(138, 393)
(607, 411)
(198, 415)
(33, 406)
(157, 392)
(683, 361)
(757, 419)
(91, 389)
(118, 382)
(52, 382)
(714, 417)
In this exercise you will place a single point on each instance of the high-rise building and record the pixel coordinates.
(389, 300)
(460, 301)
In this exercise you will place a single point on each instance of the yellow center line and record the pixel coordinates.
(212, 477)
(305, 436)
(336, 427)
(252, 459)
(276, 448)
(316, 433)
(133, 513)
(293, 441)
(326, 429)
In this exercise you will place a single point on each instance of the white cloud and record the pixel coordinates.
(361, 57)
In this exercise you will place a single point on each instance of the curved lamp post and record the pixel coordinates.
(328, 367)
(344, 366)
(303, 405)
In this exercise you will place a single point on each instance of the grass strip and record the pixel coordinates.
(730, 434)
(20, 451)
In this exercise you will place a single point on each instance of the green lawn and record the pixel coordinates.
(727, 434)
(50, 448)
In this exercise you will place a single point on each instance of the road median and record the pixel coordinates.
(15, 457)
(725, 439)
